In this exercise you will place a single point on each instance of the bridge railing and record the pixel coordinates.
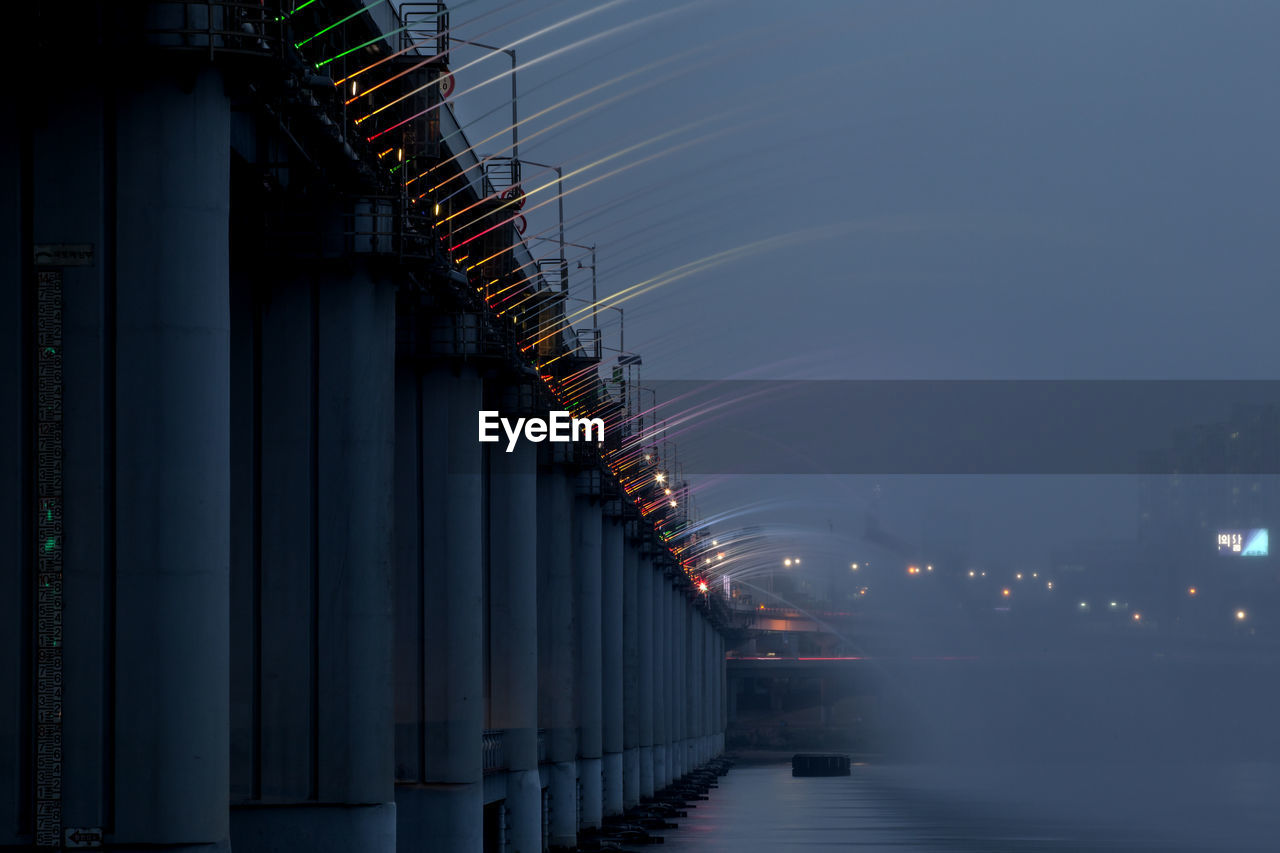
(425, 27)
(495, 756)
(212, 26)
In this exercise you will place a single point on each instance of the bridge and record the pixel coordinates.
(273, 593)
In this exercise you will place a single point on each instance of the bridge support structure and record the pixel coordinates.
(444, 807)
(290, 601)
(557, 641)
(661, 668)
(172, 494)
(633, 614)
(312, 739)
(513, 619)
(588, 596)
(612, 619)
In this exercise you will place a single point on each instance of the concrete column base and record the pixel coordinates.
(644, 767)
(310, 828)
(524, 802)
(562, 791)
(592, 796)
(661, 773)
(611, 770)
(439, 817)
(631, 792)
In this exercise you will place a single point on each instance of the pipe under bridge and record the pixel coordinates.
(263, 589)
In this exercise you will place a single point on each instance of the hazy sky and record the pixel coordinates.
(933, 189)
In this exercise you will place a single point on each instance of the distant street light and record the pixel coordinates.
(1241, 615)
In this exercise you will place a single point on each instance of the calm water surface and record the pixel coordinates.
(761, 807)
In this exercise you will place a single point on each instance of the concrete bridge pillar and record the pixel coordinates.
(711, 674)
(172, 499)
(124, 348)
(439, 626)
(721, 713)
(313, 731)
(713, 690)
(513, 623)
(698, 652)
(700, 657)
(684, 685)
(631, 695)
(713, 707)
(612, 619)
(587, 553)
(661, 676)
(689, 654)
(648, 700)
(557, 640)
(679, 687)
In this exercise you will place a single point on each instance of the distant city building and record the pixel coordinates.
(1209, 485)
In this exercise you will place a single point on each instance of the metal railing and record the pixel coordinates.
(214, 26)
(426, 27)
(495, 756)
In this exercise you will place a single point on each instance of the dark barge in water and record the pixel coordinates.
(812, 764)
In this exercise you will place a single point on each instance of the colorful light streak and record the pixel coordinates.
(509, 46)
(582, 388)
(338, 23)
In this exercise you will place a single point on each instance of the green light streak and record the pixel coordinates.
(339, 23)
(373, 40)
(296, 9)
(50, 544)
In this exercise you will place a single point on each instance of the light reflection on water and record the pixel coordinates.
(903, 808)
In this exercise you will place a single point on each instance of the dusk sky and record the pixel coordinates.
(915, 189)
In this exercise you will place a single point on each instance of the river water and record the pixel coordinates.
(762, 808)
